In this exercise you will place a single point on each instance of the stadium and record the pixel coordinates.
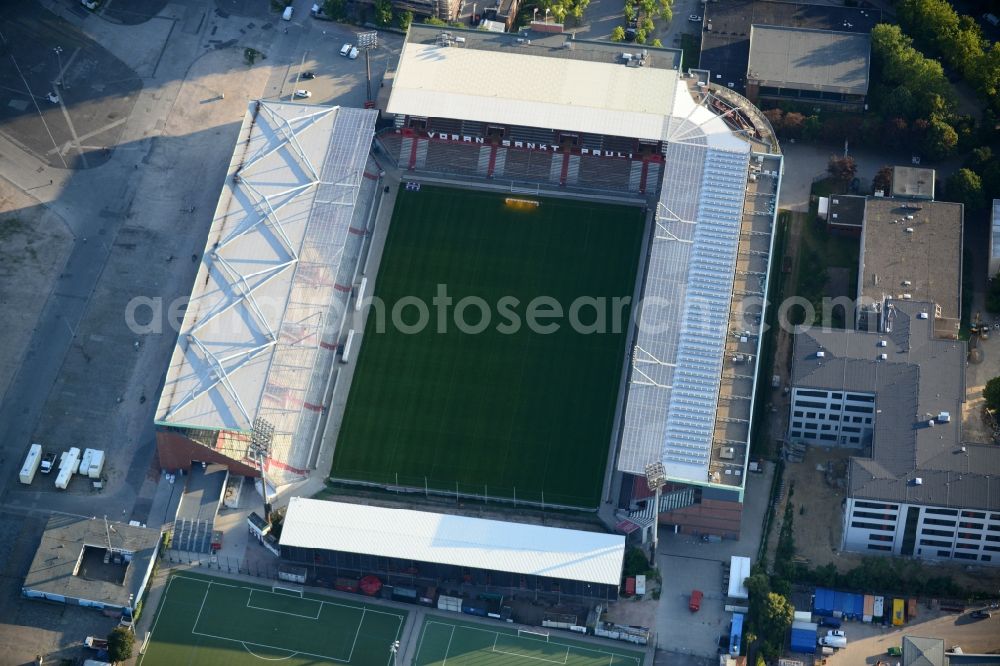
(616, 209)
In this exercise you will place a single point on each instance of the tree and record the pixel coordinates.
(405, 19)
(383, 12)
(992, 393)
(793, 124)
(773, 624)
(335, 9)
(842, 169)
(666, 9)
(966, 187)
(656, 43)
(618, 34)
(941, 139)
(640, 36)
(883, 179)
(629, 11)
(431, 20)
(121, 640)
(646, 25)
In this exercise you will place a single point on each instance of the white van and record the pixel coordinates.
(287, 15)
(345, 49)
(353, 55)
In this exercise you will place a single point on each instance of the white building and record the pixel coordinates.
(914, 489)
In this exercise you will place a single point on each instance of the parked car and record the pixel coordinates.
(304, 94)
(694, 18)
(838, 633)
(48, 462)
(895, 652)
(695, 603)
(89, 4)
(52, 97)
(353, 55)
(827, 621)
(980, 614)
(308, 75)
(345, 49)
(287, 14)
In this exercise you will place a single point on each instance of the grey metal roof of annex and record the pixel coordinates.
(921, 377)
(809, 59)
(53, 569)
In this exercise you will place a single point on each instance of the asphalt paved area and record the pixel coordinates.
(132, 222)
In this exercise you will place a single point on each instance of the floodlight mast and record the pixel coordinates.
(656, 476)
(366, 42)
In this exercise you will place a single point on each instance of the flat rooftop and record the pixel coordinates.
(810, 59)
(725, 46)
(915, 248)
(70, 560)
(920, 377)
(913, 182)
(478, 543)
(847, 210)
(534, 81)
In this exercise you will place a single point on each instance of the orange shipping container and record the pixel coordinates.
(911, 609)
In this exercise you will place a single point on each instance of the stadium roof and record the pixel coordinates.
(496, 78)
(808, 59)
(677, 361)
(251, 341)
(478, 543)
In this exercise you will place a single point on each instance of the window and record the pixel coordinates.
(974, 514)
(854, 440)
(880, 537)
(992, 537)
(837, 396)
(971, 526)
(812, 426)
(856, 419)
(821, 417)
(965, 556)
(809, 435)
(944, 553)
(967, 546)
(810, 415)
(828, 438)
(944, 533)
(834, 417)
(868, 421)
(874, 526)
(935, 542)
(857, 397)
(874, 505)
(859, 409)
(798, 414)
(872, 514)
(797, 424)
(993, 527)
(811, 394)
(875, 546)
(825, 426)
(942, 512)
(810, 403)
(939, 521)
(850, 429)
(992, 549)
(797, 433)
(986, 558)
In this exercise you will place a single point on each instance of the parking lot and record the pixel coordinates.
(113, 189)
(688, 563)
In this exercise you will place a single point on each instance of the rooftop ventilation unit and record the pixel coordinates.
(909, 230)
(907, 296)
(820, 354)
(918, 481)
(883, 357)
(922, 315)
(882, 343)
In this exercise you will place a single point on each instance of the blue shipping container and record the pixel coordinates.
(803, 640)
(823, 602)
(858, 611)
(736, 635)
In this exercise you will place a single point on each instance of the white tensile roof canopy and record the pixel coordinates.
(250, 343)
(521, 548)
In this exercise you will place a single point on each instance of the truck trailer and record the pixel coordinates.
(31, 464)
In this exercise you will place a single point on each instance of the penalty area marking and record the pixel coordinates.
(289, 656)
(272, 610)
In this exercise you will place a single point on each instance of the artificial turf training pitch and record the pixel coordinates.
(207, 621)
(524, 415)
(443, 641)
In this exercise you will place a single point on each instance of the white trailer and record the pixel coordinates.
(345, 354)
(85, 461)
(62, 479)
(71, 461)
(31, 464)
(96, 464)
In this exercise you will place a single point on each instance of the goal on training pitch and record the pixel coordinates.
(533, 634)
(288, 589)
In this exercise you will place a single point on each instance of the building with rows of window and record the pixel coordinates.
(895, 396)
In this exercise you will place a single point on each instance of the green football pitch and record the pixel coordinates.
(509, 411)
(463, 644)
(205, 621)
